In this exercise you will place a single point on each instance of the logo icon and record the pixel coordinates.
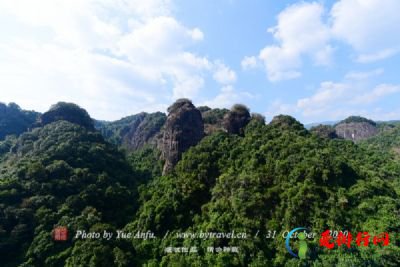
(60, 233)
(302, 254)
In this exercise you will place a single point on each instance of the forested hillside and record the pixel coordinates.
(14, 120)
(388, 141)
(244, 176)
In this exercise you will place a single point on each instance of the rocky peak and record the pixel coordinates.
(183, 128)
(236, 119)
(356, 128)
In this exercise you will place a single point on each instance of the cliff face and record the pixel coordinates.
(356, 128)
(144, 131)
(356, 131)
(183, 128)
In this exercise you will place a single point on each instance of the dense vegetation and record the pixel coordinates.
(62, 174)
(278, 177)
(67, 112)
(134, 131)
(14, 120)
(325, 131)
(388, 141)
(357, 119)
(115, 131)
(254, 178)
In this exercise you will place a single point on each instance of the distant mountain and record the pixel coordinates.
(310, 125)
(133, 132)
(353, 128)
(14, 120)
(145, 131)
(387, 141)
(356, 128)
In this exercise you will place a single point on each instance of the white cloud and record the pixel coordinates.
(300, 32)
(197, 34)
(357, 94)
(249, 63)
(113, 57)
(328, 93)
(353, 96)
(371, 27)
(227, 97)
(357, 75)
(223, 74)
(382, 54)
(280, 64)
(157, 48)
(377, 93)
(305, 31)
(160, 36)
(278, 107)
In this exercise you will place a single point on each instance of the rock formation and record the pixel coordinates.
(236, 119)
(356, 128)
(184, 128)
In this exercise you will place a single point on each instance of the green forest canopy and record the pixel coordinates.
(273, 176)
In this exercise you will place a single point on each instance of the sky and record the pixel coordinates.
(315, 60)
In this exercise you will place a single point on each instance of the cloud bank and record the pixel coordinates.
(307, 31)
(113, 57)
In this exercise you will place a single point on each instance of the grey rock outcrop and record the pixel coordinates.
(184, 128)
(356, 131)
(356, 128)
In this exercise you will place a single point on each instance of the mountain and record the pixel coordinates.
(353, 128)
(356, 128)
(276, 176)
(146, 131)
(244, 176)
(62, 173)
(134, 132)
(14, 120)
(387, 140)
(314, 124)
(67, 112)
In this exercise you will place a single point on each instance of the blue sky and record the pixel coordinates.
(315, 60)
